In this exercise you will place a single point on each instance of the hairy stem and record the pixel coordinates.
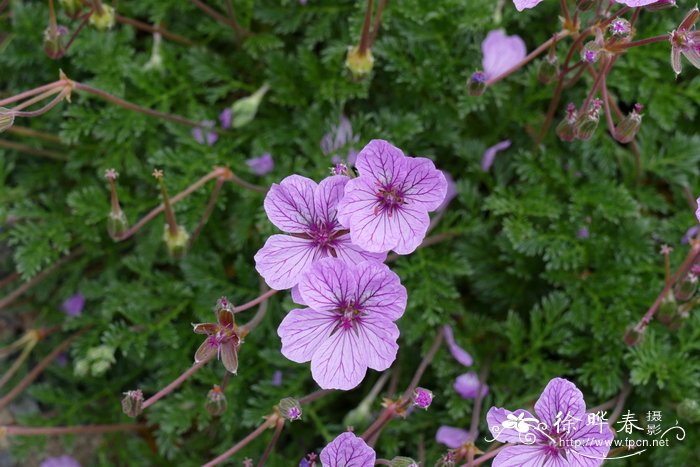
(175, 383)
(263, 297)
(244, 442)
(271, 445)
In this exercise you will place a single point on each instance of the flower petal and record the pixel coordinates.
(423, 184)
(229, 357)
(522, 455)
(376, 340)
(467, 386)
(502, 432)
(590, 443)
(676, 60)
(381, 160)
(459, 354)
(296, 296)
(490, 154)
(204, 328)
(303, 330)
(328, 285)
(520, 5)
(205, 351)
(560, 397)
(338, 362)
(283, 259)
(329, 192)
(379, 291)
(451, 437)
(290, 205)
(353, 254)
(348, 450)
(501, 52)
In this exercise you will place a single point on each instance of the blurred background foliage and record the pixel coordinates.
(521, 289)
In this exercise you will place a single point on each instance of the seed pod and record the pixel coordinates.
(216, 402)
(7, 119)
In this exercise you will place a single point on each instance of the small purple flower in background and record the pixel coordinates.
(467, 386)
(452, 437)
(261, 165)
(62, 461)
(520, 5)
(222, 339)
(386, 207)
(459, 354)
(62, 359)
(422, 398)
(307, 212)
(564, 434)
(277, 378)
(200, 134)
(690, 234)
(225, 117)
(338, 138)
(349, 325)
(583, 233)
(308, 460)
(683, 41)
(73, 305)
(451, 192)
(501, 53)
(697, 211)
(302, 2)
(490, 154)
(347, 450)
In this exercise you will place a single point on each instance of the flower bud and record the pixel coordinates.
(117, 224)
(689, 410)
(104, 21)
(548, 69)
(584, 5)
(565, 129)
(422, 398)
(53, 42)
(244, 110)
(290, 408)
(71, 7)
(359, 64)
(590, 52)
(620, 27)
(223, 304)
(216, 402)
(132, 404)
(401, 461)
(686, 287)
(633, 335)
(587, 122)
(7, 119)
(627, 129)
(667, 310)
(476, 84)
(661, 5)
(176, 243)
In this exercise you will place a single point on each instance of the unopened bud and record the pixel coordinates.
(686, 287)
(244, 110)
(587, 122)
(422, 398)
(290, 408)
(117, 224)
(667, 310)
(340, 169)
(633, 335)
(7, 119)
(620, 27)
(661, 5)
(566, 130)
(53, 41)
(689, 409)
(590, 52)
(401, 461)
(584, 5)
(548, 69)
(177, 242)
(216, 402)
(476, 84)
(359, 63)
(627, 129)
(71, 7)
(223, 304)
(104, 21)
(132, 404)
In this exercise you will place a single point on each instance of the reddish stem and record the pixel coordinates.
(154, 29)
(641, 42)
(364, 37)
(242, 443)
(177, 382)
(70, 430)
(33, 92)
(254, 302)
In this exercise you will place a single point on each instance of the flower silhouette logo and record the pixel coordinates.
(519, 423)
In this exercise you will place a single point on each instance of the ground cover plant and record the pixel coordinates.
(349, 233)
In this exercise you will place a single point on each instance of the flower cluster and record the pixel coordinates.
(337, 235)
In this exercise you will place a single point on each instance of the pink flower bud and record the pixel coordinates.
(565, 129)
(587, 122)
(132, 404)
(628, 127)
(422, 398)
(290, 408)
(633, 335)
(476, 84)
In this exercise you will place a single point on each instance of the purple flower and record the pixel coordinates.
(223, 338)
(564, 434)
(501, 53)
(339, 137)
(451, 191)
(457, 352)
(690, 234)
(349, 325)
(199, 134)
(347, 450)
(697, 211)
(490, 154)
(307, 212)
(683, 41)
(520, 5)
(467, 386)
(452, 437)
(386, 207)
(62, 461)
(73, 305)
(422, 398)
(261, 165)
(583, 233)
(277, 378)
(225, 118)
(636, 3)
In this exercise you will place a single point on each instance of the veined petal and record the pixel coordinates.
(520, 5)
(283, 259)
(693, 57)
(379, 291)
(522, 455)
(382, 161)
(303, 330)
(229, 357)
(560, 397)
(338, 362)
(589, 443)
(376, 338)
(353, 254)
(296, 296)
(424, 184)
(451, 437)
(226, 318)
(290, 205)
(204, 328)
(501, 52)
(348, 450)
(328, 285)
(205, 351)
(326, 197)
(676, 60)
(360, 196)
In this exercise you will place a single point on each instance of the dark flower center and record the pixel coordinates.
(389, 199)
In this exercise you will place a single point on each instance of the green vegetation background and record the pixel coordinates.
(516, 283)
